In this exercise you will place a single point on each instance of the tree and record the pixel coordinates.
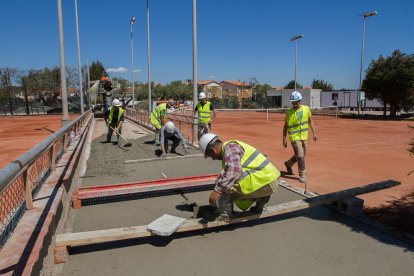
(321, 84)
(291, 85)
(391, 80)
(97, 70)
(260, 90)
(6, 88)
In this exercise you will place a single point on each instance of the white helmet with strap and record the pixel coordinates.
(169, 127)
(116, 102)
(295, 96)
(201, 96)
(206, 140)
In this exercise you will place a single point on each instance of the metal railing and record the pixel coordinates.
(22, 178)
(181, 119)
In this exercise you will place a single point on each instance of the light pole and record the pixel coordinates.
(65, 115)
(195, 98)
(296, 38)
(149, 59)
(131, 23)
(79, 61)
(364, 15)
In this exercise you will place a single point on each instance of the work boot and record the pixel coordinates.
(289, 169)
(173, 150)
(302, 179)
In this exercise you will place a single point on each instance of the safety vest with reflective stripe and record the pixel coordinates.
(257, 169)
(298, 130)
(204, 112)
(155, 116)
(111, 114)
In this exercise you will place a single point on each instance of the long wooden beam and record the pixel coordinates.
(94, 192)
(100, 236)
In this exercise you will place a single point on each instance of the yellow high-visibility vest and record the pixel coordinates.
(298, 130)
(204, 112)
(257, 169)
(155, 116)
(111, 114)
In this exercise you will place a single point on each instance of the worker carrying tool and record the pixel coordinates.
(170, 133)
(297, 122)
(158, 117)
(206, 114)
(247, 177)
(114, 118)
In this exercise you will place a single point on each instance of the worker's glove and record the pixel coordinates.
(163, 154)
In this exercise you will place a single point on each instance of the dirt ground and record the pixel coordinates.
(18, 134)
(316, 241)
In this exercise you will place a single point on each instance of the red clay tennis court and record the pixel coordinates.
(348, 152)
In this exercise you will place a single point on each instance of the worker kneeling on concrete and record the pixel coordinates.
(247, 177)
(114, 118)
(170, 133)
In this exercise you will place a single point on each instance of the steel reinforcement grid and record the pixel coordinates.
(22, 178)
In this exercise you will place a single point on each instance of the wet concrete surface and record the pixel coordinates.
(315, 241)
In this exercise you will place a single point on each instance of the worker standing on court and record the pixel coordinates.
(297, 122)
(158, 116)
(170, 133)
(247, 177)
(206, 114)
(114, 118)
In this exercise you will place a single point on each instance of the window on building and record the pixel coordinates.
(334, 96)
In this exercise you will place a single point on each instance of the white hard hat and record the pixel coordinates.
(295, 96)
(116, 102)
(171, 102)
(205, 140)
(201, 96)
(169, 127)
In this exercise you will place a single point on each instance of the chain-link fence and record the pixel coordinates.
(22, 179)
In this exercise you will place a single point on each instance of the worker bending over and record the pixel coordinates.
(297, 122)
(114, 118)
(158, 117)
(247, 177)
(170, 132)
(206, 114)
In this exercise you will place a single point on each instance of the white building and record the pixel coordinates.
(348, 99)
(310, 97)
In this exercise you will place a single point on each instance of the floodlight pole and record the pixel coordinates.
(131, 23)
(149, 60)
(65, 115)
(79, 60)
(364, 15)
(296, 38)
(195, 66)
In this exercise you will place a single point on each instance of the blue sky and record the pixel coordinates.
(237, 39)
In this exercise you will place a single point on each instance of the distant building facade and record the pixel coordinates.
(241, 90)
(213, 89)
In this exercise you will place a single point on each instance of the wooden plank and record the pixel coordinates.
(164, 158)
(100, 236)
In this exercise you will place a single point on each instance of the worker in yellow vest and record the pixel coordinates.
(114, 118)
(158, 117)
(247, 177)
(206, 114)
(297, 122)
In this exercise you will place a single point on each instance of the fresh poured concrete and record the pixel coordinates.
(315, 241)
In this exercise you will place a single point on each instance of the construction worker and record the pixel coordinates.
(297, 122)
(204, 109)
(114, 118)
(170, 132)
(247, 176)
(157, 117)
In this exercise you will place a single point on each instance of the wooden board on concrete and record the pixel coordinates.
(100, 236)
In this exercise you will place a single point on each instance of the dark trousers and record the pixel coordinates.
(110, 131)
(176, 141)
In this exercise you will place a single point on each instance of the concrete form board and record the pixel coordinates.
(311, 242)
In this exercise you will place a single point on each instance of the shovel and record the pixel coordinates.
(128, 144)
